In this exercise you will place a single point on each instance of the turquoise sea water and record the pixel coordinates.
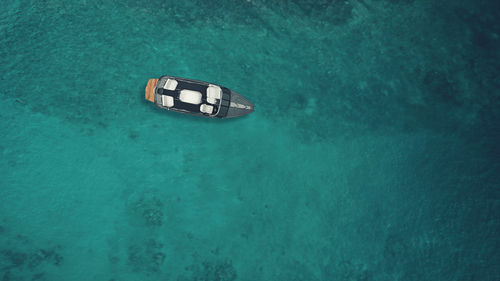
(373, 153)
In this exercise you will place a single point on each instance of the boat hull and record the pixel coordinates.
(229, 104)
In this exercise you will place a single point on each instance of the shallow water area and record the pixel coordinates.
(372, 153)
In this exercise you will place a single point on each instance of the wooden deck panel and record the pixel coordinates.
(150, 89)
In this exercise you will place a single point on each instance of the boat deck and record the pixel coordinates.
(150, 89)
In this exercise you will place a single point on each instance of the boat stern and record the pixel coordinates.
(150, 90)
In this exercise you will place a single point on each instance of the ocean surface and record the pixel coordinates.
(373, 152)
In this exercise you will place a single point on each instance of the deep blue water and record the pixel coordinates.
(373, 153)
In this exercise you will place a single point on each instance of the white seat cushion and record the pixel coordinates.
(206, 108)
(171, 84)
(189, 96)
(213, 92)
(167, 101)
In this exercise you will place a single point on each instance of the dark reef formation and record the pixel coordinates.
(147, 257)
(24, 260)
(213, 270)
(149, 208)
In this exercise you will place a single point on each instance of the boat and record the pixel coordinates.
(198, 98)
